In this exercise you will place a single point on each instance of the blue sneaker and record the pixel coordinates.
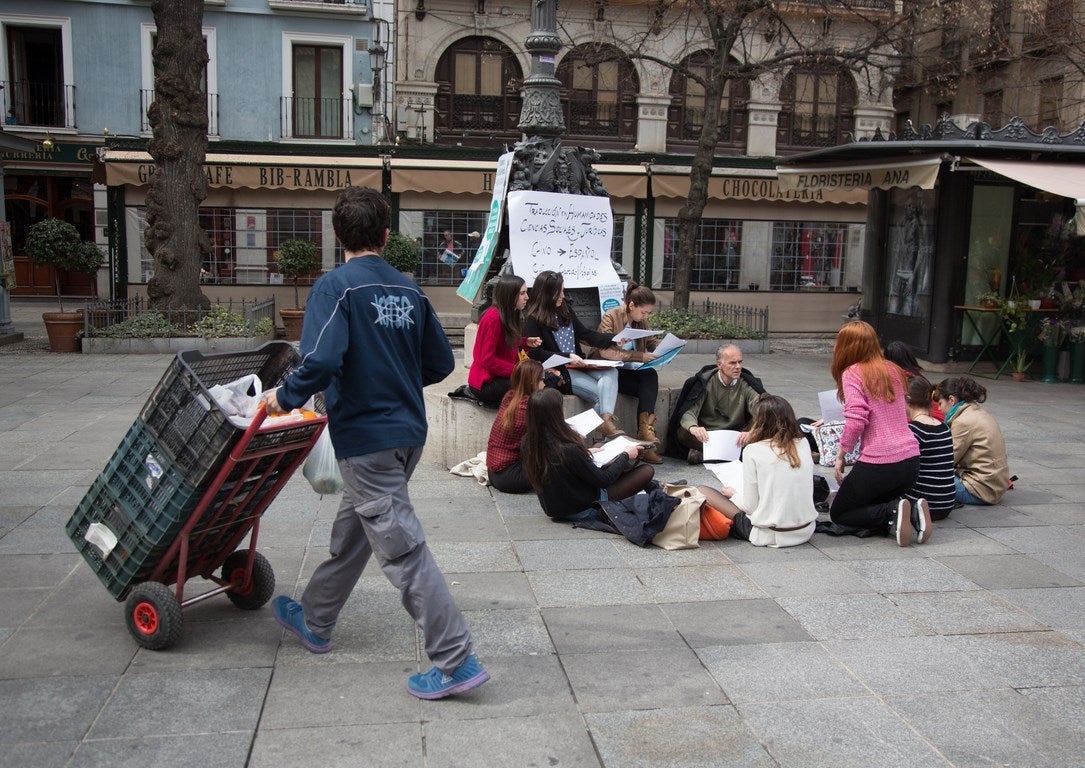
(435, 684)
(290, 616)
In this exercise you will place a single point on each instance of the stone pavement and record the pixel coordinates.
(968, 651)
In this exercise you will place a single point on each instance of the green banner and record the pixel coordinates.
(469, 288)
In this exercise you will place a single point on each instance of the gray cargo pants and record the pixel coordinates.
(376, 516)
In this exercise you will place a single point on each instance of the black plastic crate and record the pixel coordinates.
(181, 413)
(134, 556)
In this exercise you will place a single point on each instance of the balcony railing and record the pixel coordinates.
(146, 97)
(859, 5)
(307, 117)
(48, 105)
(812, 131)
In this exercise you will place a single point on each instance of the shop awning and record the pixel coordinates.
(477, 177)
(922, 173)
(1062, 179)
(757, 188)
(236, 171)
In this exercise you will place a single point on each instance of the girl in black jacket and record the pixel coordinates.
(548, 316)
(560, 468)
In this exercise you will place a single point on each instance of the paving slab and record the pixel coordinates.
(1008, 571)
(779, 672)
(992, 727)
(688, 737)
(628, 680)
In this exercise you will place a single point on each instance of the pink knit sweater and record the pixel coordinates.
(882, 426)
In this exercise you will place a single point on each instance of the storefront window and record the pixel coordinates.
(807, 254)
(910, 252)
(243, 242)
(718, 256)
(449, 241)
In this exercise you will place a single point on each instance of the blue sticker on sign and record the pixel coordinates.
(609, 304)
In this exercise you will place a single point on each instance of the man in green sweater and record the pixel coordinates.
(726, 402)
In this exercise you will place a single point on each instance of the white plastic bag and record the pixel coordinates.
(234, 398)
(321, 468)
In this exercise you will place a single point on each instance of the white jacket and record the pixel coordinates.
(777, 495)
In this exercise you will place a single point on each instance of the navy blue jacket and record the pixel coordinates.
(370, 342)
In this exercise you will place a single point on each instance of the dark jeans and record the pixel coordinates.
(643, 385)
(868, 496)
(511, 479)
(741, 527)
(492, 391)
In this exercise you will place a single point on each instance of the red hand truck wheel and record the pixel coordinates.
(153, 615)
(251, 593)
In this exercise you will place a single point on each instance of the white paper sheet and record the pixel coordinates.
(722, 445)
(611, 449)
(729, 474)
(669, 342)
(596, 363)
(831, 408)
(632, 334)
(585, 422)
(555, 360)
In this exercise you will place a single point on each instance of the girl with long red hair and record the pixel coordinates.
(873, 495)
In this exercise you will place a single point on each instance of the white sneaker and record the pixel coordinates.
(901, 527)
(921, 521)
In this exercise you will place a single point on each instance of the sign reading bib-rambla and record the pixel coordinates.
(254, 177)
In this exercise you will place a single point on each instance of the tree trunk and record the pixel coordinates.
(178, 118)
(689, 217)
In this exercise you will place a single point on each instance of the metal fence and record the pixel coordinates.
(754, 318)
(102, 314)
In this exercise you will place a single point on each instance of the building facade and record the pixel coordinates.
(995, 60)
(300, 104)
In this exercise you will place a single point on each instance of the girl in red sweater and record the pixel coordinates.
(498, 342)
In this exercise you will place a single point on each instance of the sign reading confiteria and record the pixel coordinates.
(321, 174)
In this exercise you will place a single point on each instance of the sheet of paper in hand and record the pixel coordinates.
(729, 474)
(831, 408)
(585, 423)
(611, 450)
(722, 445)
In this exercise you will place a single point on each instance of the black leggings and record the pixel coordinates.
(868, 496)
(492, 391)
(511, 479)
(643, 385)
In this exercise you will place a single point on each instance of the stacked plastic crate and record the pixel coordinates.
(166, 463)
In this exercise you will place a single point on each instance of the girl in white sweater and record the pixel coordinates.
(776, 506)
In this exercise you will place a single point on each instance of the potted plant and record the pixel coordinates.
(989, 300)
(57, 244)
(403, 253)
(1021, 363)
(296, 259)
(1054, 331)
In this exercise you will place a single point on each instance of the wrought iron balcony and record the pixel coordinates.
(46, 105)
(146, 97)
(310, 117)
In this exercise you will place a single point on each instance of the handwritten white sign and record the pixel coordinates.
(570, 234)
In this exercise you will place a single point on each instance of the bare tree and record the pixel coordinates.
(178, 119)
(746, 39)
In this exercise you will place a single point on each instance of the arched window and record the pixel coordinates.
(599, 93)
(478, 93)
(817, 106)
(685, 116)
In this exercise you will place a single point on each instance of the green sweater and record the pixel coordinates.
(721, 407)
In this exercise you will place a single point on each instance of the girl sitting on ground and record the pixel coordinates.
(506, 471)
(499, 340)
(935, 480)
(549, 317)
(642, 384)
(776, 506)
(979, 450)
(559, 465)
(873, 495)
